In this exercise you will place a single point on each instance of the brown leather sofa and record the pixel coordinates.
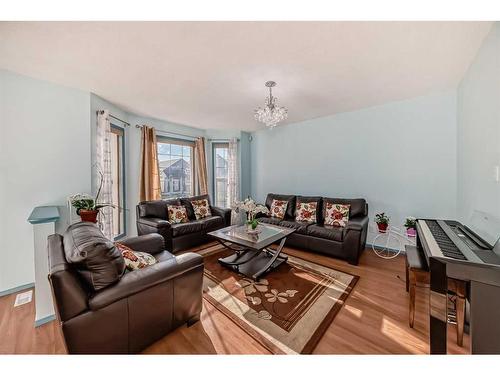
(104, 309)
(345, 243)
(152, 218)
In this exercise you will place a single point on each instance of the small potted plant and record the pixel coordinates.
(251, 209)
(382, 221)
(411, 226)
(86, 206)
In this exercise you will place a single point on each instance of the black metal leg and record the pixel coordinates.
(438, 307)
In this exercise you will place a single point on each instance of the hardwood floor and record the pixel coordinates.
(374, 320)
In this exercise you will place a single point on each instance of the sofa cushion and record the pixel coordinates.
(187, 202)
(96, 259)
(269, 220)
(306, 212)
(326, 231)
(211, 223)
(135, 260)
(201, 208)
(163, 256)
(157, 208)
(300, 227)
(177, 214)
(308, 199)
(187, 228)
(336, 214)
(290, 208)
(278, 209)
(357, 206)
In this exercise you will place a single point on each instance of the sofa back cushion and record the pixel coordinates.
(95, 258)
(357, 206)
(156, 208)
(308, 199)
(290, 208)
(189, 207)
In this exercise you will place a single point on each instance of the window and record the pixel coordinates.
(117, 172)
(176, 158)
(220, 155)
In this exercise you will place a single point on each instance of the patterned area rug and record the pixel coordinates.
(288, 310)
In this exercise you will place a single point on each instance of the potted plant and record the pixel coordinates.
(382, 221)
(87, 206)
(251, 209)
(411, 226)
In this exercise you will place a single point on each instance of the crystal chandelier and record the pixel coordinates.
(271, 114)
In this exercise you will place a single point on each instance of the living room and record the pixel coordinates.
(250, 187)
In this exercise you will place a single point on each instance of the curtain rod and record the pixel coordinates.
(169, 132)
(116, 118)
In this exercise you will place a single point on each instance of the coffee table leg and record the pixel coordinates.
(272, 260)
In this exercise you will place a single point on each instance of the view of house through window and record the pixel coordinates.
(220, 155)
(176, 158)
(117, 171)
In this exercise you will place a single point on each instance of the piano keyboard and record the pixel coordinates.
(447, 247)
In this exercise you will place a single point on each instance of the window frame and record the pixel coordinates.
(216, 145)
(179, 142)
(120, 131)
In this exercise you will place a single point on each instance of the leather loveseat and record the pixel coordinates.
(104, 309)
(345, 243)
(152, 217)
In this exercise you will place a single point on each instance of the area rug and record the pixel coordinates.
(288, 310)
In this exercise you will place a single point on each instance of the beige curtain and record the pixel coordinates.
(149, 178)
(201, 164)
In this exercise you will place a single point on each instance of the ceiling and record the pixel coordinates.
(212, 74)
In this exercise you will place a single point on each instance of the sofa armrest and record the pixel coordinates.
(154, 222)
(225, 213)
(357, 223)
(136, 281)
(149, 243)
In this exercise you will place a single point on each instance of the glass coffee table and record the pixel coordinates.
(252, 255)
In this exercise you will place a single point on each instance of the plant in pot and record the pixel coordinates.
(251, 209)
(411, 226)
(87, 206)
(382, 221)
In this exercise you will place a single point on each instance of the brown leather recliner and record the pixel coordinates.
(132, 312)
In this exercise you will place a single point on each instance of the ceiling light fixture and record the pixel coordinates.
(271, 114)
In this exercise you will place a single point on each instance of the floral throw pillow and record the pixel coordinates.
(201, 208)
(337, 215)
(278, 208)
(306, 212)
(177, 214)
(135, 260)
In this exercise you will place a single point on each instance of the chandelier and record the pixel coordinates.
(271, 114)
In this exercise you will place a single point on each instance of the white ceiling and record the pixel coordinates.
(212, 74)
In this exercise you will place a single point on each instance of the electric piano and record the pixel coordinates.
(455, 252)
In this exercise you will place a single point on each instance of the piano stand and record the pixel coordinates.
(417, 272)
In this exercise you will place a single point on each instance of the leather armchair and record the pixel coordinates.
(131, 314)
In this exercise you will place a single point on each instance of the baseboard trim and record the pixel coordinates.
(45, 320)
(17, 289)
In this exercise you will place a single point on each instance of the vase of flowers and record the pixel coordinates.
(411, 226)
(86, 206)
(382, 221)
(251, 209)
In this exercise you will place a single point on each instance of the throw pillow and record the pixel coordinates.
(177, 214)
(135, 260)
(278, 208)
(201, 208)
(337, 215)
(306, 212)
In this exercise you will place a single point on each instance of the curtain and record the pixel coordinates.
(150, 175)
(201, 164)
(103, 173)
(233, 179)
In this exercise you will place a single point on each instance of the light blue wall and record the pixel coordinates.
(400, 156)
(44, 158)
(479, 131)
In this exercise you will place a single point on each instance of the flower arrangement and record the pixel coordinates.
(382, 221)
(251, 209)
(411, 226)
